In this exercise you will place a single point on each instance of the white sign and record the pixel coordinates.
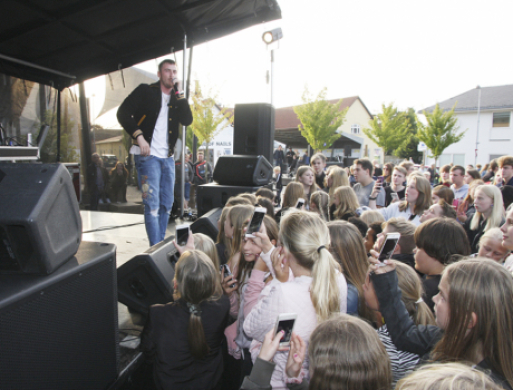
(421, 147)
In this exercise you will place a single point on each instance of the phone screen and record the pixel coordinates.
(286, 326)
(182, 234)
(381, 179)
(256, 221)
(300, 204)
(388, 248)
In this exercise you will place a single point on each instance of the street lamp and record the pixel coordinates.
(269, 37)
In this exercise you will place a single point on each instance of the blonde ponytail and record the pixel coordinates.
(307, 238)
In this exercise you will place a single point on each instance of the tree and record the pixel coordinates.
(68, 152)
(320, 120)
(440, 131)
(206, 121)
(409, 147)
(388, 129)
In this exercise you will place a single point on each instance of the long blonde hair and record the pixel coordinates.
(339, 178)
(411, 292)
(238, 216)
(321, 201)
(306, 236)
(348, 202)
(497, 215)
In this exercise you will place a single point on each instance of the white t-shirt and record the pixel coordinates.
(159, 145)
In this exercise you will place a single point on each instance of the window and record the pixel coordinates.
(355, 129)
(501, 119)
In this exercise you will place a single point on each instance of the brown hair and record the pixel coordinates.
(445, 193)
(443, 239)
(265, 202)
(366, 164)
(238, 216)
(237, 200)
(321, 200)
(349, 251)
(424, 200)
(302, 234)
(484, 288)
(293, 192)
(390, 168)
(406, 165)
(458, 167)
(446, 168)
(113, 170)
(473, 173)
(411, 291)
(266, 193)
(252, 198)
(197, 281)
(316, 156)
(301, 171)
(447, 210)
(348, 201)
(407, 231)
(505, 160)
(346, 353)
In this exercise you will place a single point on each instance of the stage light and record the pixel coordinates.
(272, 36)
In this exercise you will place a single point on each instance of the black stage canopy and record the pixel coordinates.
(87, 38)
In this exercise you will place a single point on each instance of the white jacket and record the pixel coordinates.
(392, 211)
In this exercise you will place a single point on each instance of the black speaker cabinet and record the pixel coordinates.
(40, 224)
(243, 171)
(213, 195)
(253, 130)
(60, 331)
(147, 278)
(207, 224)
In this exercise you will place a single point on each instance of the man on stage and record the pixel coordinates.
(152, 115)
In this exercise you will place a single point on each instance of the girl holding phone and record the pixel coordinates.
(306, 240)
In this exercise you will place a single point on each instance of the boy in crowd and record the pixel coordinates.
(318, 163)
(458, 186)
(505, 176)
(365, 184)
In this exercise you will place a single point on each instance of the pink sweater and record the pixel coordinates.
(290, 297)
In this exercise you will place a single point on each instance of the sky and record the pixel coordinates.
(410, 53)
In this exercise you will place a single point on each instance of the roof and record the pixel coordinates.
(492, 98)
(87, 38)
(294, 138)
(110, 140)
(286, 118)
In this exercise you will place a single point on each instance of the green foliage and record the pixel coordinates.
(388, 129)
(206, 121)
(440, 132)
(320, 120)
(408, 148)
(49, 150)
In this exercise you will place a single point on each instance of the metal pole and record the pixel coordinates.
(86, 138)
(184, 128)
(478, 119)
(272, 76)
(58, 159)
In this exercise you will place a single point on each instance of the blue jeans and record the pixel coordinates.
(157, 182)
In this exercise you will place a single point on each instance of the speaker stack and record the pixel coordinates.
(249, 168)
(58, 296)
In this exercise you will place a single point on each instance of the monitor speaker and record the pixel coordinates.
(213, 195)
(60, 331)
(147, 278)
(253, 130)
(243, 171)
(40, 224)
(207, 224)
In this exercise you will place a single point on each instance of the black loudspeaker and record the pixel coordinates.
(243, 171)
(207, 224)
(60, 331)
(40, 224)
(253, 130)
(147, 278)
(212, 195)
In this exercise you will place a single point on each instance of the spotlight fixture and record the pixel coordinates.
(272, 36)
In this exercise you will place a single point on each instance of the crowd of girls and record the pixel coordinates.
(439, 315)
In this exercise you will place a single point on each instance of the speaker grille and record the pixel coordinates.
(63, 337)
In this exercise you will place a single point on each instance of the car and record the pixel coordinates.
(109, 160)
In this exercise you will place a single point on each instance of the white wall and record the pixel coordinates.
(492, 141)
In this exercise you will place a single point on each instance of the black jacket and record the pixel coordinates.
(140, 110)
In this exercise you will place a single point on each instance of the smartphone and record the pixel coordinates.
(388, 247)
(394, 196)
(300, 203)
(182, 234)
(256, 221)
(380, 179)
(285, 322)
(226, 271)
